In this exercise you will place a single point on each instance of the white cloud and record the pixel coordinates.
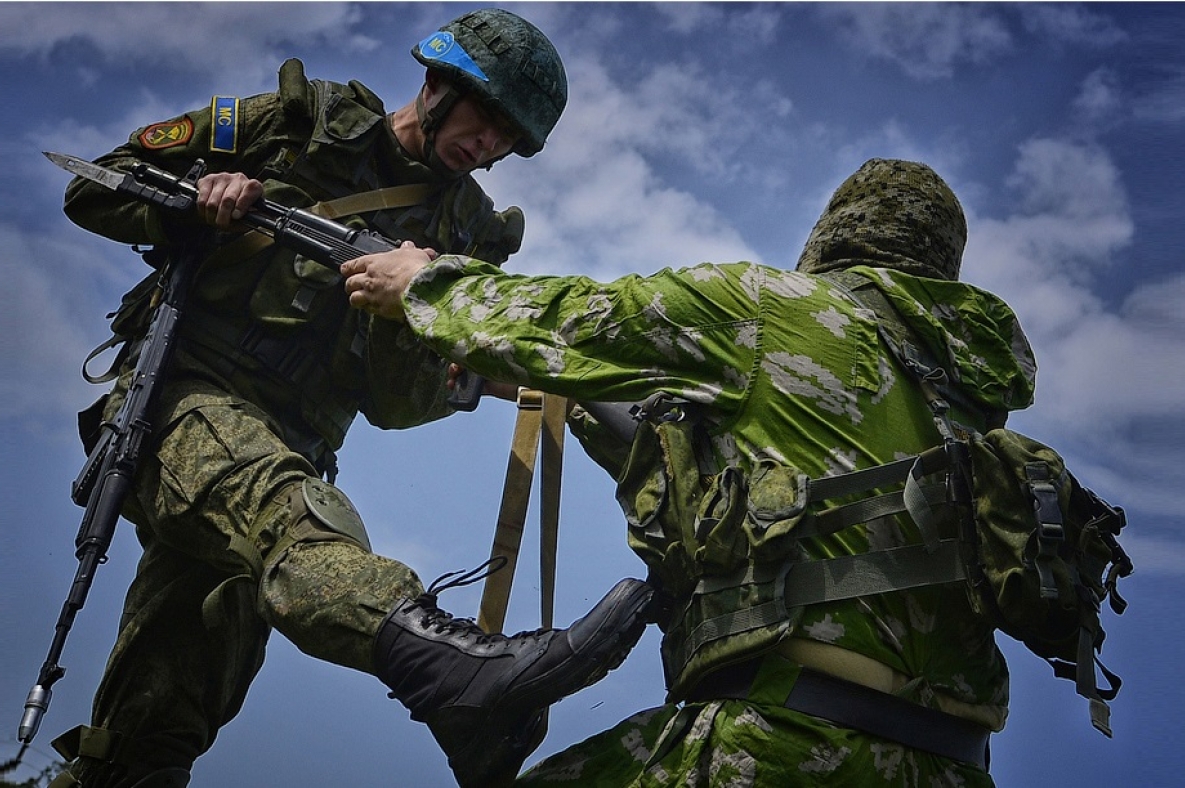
(1099, 97)
(1154, 555)
(44, 341)
(757, 24)
(224, 39)
(1069, 23)
(593, 199)
(930, 40)
(1163, 101)
(1109, 384)
(927, 40)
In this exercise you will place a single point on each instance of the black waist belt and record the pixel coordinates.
(852, 705)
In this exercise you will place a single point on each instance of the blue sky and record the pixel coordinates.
(694, 132)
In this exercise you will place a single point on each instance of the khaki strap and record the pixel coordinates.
(376, 200)
(255, 240)
(843, 663)
(538, 414)
(859, 669)
(83, 741)
(555, 417)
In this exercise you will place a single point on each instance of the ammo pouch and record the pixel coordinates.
(723, 542)
(729, 543)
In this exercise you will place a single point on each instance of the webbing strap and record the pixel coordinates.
(1051, 532)
(255, 240)
(742, 619)
(538, 414)
(855, 706)
(512, 514)
(934, 561)
(859, 481)
(555, 417)
(876, 572)
(377, 200)
(85, 741)
(866, 510)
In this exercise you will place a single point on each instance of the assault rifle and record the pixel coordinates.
(105, 479)
(315, 237)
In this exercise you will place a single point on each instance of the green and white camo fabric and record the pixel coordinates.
(790, 369)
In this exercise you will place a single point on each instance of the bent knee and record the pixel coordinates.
(324, 543)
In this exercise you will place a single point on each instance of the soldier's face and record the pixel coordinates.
(473, 136)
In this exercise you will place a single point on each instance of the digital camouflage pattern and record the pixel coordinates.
(790, 369)
(270, 369)
(223, 561)
(896, 214)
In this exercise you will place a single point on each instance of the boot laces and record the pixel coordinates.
(442, 622)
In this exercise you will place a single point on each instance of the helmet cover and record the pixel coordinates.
(508, 64)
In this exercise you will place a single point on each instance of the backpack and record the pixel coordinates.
(1046, 554)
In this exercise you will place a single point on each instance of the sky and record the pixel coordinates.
(694, 132)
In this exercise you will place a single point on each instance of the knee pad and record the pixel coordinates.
(328, 509)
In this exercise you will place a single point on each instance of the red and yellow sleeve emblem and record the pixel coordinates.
(167, 134)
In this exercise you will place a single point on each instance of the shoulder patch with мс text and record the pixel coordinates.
(224, 125)
(167, 134)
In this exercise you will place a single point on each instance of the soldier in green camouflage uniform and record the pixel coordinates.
(240, 534)
(781, 373)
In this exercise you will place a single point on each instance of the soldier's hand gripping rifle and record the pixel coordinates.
(103, 484)
(316, 238)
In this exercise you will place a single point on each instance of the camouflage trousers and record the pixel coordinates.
(227, 557)
(754, 743)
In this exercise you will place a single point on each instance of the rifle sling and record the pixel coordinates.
(254, 241)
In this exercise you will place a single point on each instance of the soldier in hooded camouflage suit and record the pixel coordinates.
(780, 373)
(240, 534)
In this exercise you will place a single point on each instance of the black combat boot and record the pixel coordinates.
(484, 696)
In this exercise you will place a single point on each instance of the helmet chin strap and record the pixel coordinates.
(430, 122)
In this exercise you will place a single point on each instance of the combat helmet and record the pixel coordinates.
(507, 63)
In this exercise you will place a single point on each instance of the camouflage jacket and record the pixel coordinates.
(790, 369)
(266, 324)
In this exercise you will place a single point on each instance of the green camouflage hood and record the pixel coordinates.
(890, 214)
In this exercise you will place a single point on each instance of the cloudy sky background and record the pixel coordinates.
(694, 132)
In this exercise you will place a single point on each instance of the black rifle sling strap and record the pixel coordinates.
(539, 415)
